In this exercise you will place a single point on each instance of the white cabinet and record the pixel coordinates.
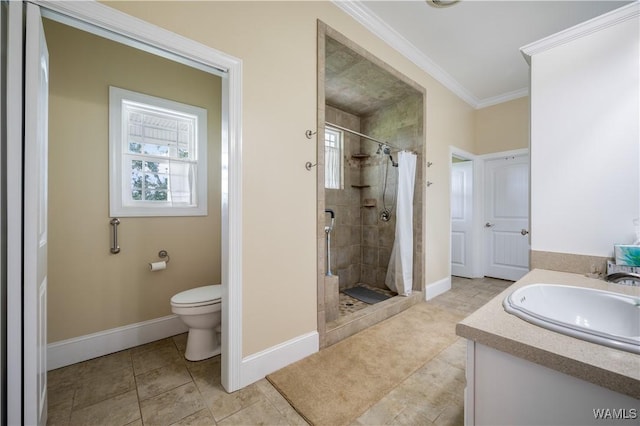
(506, 390)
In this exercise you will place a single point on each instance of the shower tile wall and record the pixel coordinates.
(361, 243)
(400, 125)
(346, 236)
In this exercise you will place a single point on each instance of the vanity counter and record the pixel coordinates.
(609, 368)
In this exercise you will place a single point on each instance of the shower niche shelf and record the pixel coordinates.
(360, 156)
(360, 186)
(369, 202)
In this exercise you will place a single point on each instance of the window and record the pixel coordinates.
(157, 151)
(333, 169)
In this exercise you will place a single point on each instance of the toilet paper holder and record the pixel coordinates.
(162, 254)
(161, 265)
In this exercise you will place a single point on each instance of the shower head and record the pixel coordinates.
(387, 151)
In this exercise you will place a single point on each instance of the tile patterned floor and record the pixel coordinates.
(434, 394)
(467, 295)
(154, 385)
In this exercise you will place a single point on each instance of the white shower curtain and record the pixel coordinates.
(400, 271)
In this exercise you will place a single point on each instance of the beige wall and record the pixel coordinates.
(277, 43)
(502, 127)
(90, 289)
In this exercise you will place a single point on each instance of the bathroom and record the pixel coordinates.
(449, 123)
(91, 289)
(131, 294)
(377, 112)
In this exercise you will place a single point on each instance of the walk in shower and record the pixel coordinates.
(369, 116)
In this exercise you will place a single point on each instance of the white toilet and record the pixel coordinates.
(199, 308)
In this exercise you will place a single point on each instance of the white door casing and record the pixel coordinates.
(14, 133)
(461, 218)
(35, 220)
(507, 217)
(103, 20)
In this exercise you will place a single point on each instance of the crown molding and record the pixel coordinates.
(505, 97)
(377, 26)
(584, 29)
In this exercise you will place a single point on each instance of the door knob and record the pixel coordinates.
(524, 232)
(489, 225)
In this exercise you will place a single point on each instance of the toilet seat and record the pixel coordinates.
(199, 296)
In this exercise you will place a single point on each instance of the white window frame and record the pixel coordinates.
(340, 159)
(120, 201)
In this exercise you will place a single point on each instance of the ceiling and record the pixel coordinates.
(473, 47)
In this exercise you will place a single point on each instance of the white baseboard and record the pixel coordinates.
(78, 349)
(255, 367)
(437, 288)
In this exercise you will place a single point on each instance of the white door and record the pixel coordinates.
(35, 220)
(507, 217)
(461, 218)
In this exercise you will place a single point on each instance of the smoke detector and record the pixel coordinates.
(441, 3)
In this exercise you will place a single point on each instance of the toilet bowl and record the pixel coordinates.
(199, 309)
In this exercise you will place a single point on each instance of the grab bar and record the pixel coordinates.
(115, 248)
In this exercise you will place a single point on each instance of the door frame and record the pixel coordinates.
(13, 197)
(483, 159)
(475, 235)
(479, 199)
(98, 17)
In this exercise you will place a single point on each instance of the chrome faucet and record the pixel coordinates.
(619, 276)
(329, 228)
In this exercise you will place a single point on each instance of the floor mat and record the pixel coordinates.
(365, 295)
(335, 386)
